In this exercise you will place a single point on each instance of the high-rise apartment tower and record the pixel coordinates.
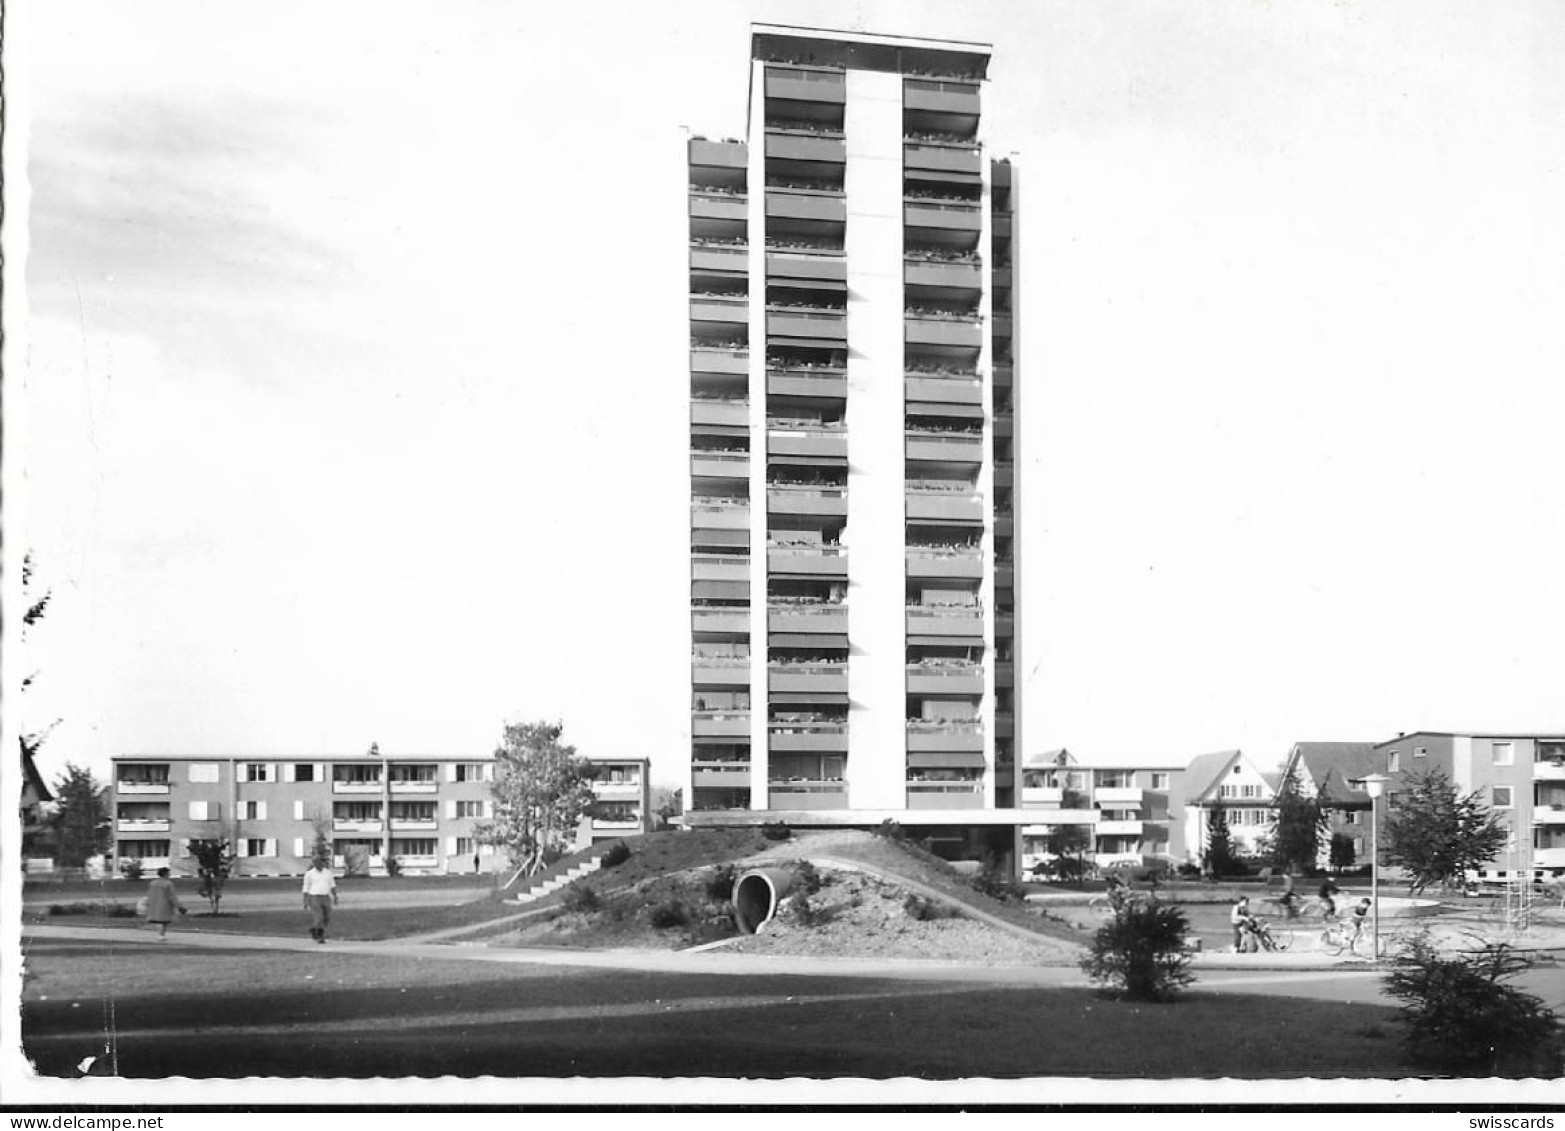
(853, 399)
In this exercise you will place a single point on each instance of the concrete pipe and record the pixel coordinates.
(756, 895)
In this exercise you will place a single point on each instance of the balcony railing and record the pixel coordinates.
(356, 825)
(356, 786)
(129, 786)
(143, 824)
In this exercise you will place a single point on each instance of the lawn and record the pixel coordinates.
(204, 1014)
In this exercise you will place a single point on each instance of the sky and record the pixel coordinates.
(353, 387)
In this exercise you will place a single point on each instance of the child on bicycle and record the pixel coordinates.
(1328, 905)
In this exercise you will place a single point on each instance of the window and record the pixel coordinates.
(1500, 796)
(1394, 762)
(466, 846)
(617, 811)
(356, 811)
(204, 772)
(469, 808)
(1351, 817)
(143, 775)
(252, 810)
(205, 810)
(258, 771)
(304, 771)
(1230, 791)
(412, 810)
(413, 846)
(1250, 791)
(1420, 751)
(470, 771)
(1504, 753)
(358, 774)
(1159, 780)
(1551, 751)
(255, 846)
(144, 849)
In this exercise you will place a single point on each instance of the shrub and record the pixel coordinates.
(1142, 950)
(720, 884)
(776, 830)
(1462, 1019)
(668, 914)
(993, 882)
(393, 866)
(111, 910)
(1188, 869)
(131, 869)
(580, 898)
(806, 878)
(618, 853)
(923, 909)
(890, 830)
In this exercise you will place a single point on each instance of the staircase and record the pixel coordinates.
(548, 885)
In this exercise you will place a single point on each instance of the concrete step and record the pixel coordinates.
(554, 884)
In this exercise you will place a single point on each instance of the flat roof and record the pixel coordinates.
(794, 31)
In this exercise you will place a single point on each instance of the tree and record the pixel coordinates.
(321, 848)
(1437, 835)
(1342, 854)
(1142, 948)
(1300, 825)
(80, 820)
(1219, 845)
(1069, 845)
(670, 804)
(214, 864)
(541, 790)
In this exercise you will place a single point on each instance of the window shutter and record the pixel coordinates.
(450, 809)
(298, 846)
(271, 846)
(287, 771)
(198, 810)
(184, 846)
(260, 810)
(450, 771)
(320, 771)
(298, 810)
(489, 771)
(450, 846)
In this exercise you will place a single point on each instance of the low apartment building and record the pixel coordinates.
(622, 801)
(420, 811)
(1135, 813)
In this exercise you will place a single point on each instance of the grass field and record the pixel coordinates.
(206, 1014)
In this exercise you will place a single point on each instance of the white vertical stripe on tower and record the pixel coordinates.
(876, 528)
(756, 234)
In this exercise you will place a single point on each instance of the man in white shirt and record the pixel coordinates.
(320, 892)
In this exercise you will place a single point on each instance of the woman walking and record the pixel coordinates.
(162, 903)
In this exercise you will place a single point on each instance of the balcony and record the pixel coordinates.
(717, 206)
(950, 622)
(961, 158)
(720, 724)
(1043, 797)
(945, 794)
(801, 794)
(423, 785)
(414, 824)
(943, 390)
(809, 678)
(804, 145)
(356, 825)
(1124, 796)
(616, 790)
(933, 505)
(140, 787)
(817, 327)
(821, 381)
(808, 442)
(718, 154)
(719, 414)
(720, 621)
(723, 259)
(711, 515)
(1548, 858)
(824, 502)
(719, 359)
(720, 567)
(944, 736)
(807, 561)
(945, 679)
(142, 824)
(727, 310)
(941, 215)
(934, 563)
(720, 671)
(948, 333)
(940, 96)
(790, 738)
(1118, 828)
(720, 775)
(1541, 771)
(1549, 814)
(347, 786)
(822, 205)
(803, 85)
(945, 447)
(785, 265)
(823, 619)
(706, 464)
(944, 274)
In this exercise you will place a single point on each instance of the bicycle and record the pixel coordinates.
(1273, 938)
(1105, 906)
(1338, 936)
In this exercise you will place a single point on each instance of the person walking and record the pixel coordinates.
(320, 893)
(162, 903)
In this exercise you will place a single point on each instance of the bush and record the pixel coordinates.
(890, 830)
(618, 853)
(393, 866)
(580, 898)
(1462, 1019)
(111, 910)
(1187, 869)
(922, 909)
(806, 878)
(1142, 950)
(720, 884)
(130, 869)
(669, 914)
(776, 830)
(993, 882)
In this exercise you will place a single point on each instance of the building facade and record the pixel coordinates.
(621, 801)
(1229, 780)
(1134, 814)
(853, 442)
(422, 812)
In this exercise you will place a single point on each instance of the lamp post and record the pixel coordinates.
(1373, 785)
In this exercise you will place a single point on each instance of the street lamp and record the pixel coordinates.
(1373, 785)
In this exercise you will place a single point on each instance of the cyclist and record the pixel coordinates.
(1328, 904)
(1116, 891)
(1289, 898)
(1359, 917)
(1243, 923)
